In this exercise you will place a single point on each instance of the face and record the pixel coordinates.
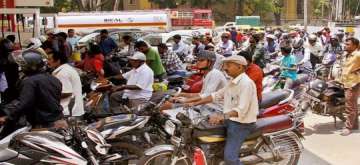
(50, 37)
(224, 38)
(135, 63)
(52, 63)
(195, 41)
(350, 47)
(71, 33)
(202, 63)
(103, 35)
(333, 41)
(312, 42)
(269, 40)
(233, 69)
(176, 40)
(161, 50)
(252, 41)
(143, 49)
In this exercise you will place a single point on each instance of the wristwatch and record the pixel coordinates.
(226, 116)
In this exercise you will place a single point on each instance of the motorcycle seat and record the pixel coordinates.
(113, 122)
(272, 98)
(263, 125)
(174, 78)
(7, 154)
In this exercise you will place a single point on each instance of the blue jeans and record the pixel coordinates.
(236, 134)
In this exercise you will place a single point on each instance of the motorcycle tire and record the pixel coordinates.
(293, 159)
(152, 159)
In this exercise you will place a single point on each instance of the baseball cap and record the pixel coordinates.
(235, 59)
(138, 56)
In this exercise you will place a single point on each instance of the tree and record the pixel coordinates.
(277, 9)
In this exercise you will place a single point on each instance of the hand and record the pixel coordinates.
(188, 105)
(2, 120)
(216, 119)
(178, 99)
(117, 88)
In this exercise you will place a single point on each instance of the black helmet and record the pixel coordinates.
(30, 61)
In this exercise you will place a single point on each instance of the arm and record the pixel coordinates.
(26, 100)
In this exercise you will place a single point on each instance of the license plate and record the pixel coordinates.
(311, 97)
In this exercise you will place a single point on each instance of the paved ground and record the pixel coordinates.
(325, 146)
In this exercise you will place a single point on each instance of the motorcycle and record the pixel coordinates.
(273, 81)
(76, 145)
(324, 98)
(275, 139)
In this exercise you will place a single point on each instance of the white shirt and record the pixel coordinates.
(181, 48)
(143, 77)
(226, 48)
(71, 83)
(213, 81)
(239, 95)
(317, 50)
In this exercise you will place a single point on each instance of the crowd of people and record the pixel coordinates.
(232, 74)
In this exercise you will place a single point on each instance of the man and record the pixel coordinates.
(233, 34)
(198, 46)
(288, 67)
(226, 46)
(9, 69)
(51, 44)
(350, 77)
(40, 93)
(107, 44)
(138, 88)
(271, 46)
(72, 38)
(240, 107)
(313, 50)
(64, 46)
(170, 60)
(333, 46)
(153, 59)
(254, 72)
(71, 84)
(179, 47)
(214, 79)
(129, 46)
(257, 50)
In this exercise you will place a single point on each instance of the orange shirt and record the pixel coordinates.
(256, 74)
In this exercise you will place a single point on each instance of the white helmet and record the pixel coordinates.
(33, 43)
(312, 37)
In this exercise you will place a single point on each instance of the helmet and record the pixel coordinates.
(312, 37)
(297, 43)
(30, 61)
(208, 55)
(33, 43)
(6, 46)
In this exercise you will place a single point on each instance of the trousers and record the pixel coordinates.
(351, 107)
(236, 134)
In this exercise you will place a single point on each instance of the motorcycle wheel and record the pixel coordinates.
(163, 158)
(286, 158)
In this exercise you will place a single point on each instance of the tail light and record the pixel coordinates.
(199, 157)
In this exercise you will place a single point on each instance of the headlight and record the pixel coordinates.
(169, 127)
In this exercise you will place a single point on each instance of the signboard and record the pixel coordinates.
(113, 20)
(37, 3)
(248, 20)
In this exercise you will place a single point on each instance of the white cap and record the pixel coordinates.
(271, 36)
(138, 56)
(236, 59)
